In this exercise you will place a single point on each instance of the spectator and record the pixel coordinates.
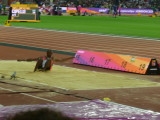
(114, 7)
(135, 4)
(79, 10)
(119, 9)
(41, 114)
(0, 8)
(4, 8)
(155, 11)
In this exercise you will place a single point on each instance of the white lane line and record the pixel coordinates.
(99, 43)
(83, 38)
(102, 49)
(43, 84)
(92, 43)
(85, 46)
(73, 49)
(96, 40)
(29, 95)
(110, 35)
(113, 48)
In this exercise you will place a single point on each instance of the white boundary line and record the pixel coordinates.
(109, 35)
(43, 84)
(111, 75)
(29, 95)
(31, 80)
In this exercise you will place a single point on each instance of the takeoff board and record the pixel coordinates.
(24, 12)
(120, 62)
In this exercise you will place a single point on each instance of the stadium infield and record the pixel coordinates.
(135, 26)
(15, 92)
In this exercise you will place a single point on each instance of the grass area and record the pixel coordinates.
(123, 25)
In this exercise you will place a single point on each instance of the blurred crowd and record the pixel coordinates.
(140, 4)
(53, 6)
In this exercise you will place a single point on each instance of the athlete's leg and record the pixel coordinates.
(38, 64)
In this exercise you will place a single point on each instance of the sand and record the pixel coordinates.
(71, 78)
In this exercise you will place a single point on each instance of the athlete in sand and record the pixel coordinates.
(44, 63)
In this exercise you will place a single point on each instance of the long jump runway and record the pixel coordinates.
(144, 96)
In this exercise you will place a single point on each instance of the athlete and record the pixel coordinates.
(115, 8)
(44, 63)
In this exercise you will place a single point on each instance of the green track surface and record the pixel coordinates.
(122, 25)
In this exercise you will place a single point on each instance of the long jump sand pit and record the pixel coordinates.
(71, 78)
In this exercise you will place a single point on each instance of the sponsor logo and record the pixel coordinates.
(81, 51)
(102, 10)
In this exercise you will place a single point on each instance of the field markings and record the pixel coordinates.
(43, 84)
(80, 43)
(99, 43)
(73, 49)
(109, 35)
(86, 47)
(28, 95)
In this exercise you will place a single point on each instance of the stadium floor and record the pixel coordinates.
(14, 93)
